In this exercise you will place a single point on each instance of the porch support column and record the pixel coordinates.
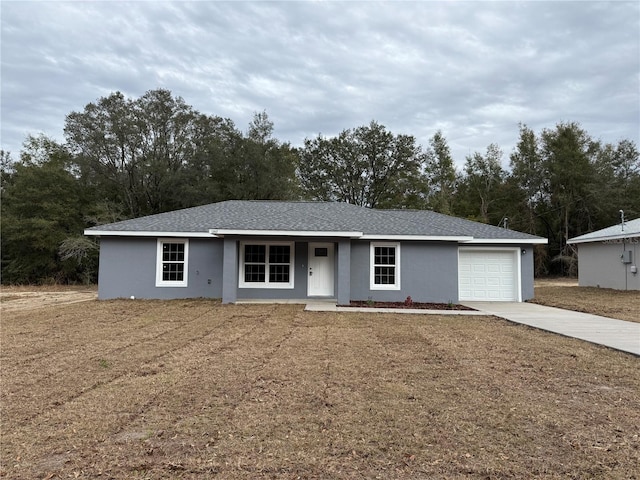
(229, 270)
(344, 272)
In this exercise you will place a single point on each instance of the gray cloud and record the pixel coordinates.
(472, 69)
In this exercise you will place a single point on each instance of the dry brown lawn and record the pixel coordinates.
(27, 297)
(194, 389)
(565, 293)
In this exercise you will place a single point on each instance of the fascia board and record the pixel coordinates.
(604, 239)
(429, 238)
(130, 233)
(283, 233)
(509, 241)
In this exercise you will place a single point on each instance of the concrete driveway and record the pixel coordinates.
(617, 334)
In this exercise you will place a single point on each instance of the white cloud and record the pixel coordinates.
(472, 69)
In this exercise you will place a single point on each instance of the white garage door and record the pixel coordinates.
(488, 275)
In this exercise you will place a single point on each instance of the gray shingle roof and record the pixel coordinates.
(310, 217)
(631, 229)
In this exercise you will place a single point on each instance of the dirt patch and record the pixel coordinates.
(416, 305)
(28, 298)
(192, 389)
(620, 304)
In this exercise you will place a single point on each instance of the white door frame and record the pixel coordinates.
(330, 272)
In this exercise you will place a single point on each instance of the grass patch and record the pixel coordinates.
(203, 390)
(620, 304)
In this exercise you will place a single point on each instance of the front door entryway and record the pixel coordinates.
(320, 271)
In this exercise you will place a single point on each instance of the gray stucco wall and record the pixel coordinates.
(599, 265)
(343, 268)
(428, 273)
(128, 268)
(527, 270)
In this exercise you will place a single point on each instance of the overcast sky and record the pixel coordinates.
(472, 69)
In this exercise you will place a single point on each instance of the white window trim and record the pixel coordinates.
(165, 283)
(266, 284)
(372, 251)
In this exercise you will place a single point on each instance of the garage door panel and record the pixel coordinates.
(487, 275)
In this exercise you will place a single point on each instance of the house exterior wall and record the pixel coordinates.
(428, 273)
(600, 265)
(128, 268)
(527, 271)
(343, 268)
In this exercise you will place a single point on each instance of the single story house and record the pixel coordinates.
(608, 258)
(238, 250)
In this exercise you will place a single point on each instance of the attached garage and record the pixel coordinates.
(489, 274)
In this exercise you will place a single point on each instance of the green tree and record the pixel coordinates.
(441, 175)
(482, 186)
(42, 205)
(367, 166)
(529, 176)
(260, 167)
(568, 153)
(139, 152)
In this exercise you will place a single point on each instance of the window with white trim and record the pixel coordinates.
(266, 265)
(385, 266)
(172, 260)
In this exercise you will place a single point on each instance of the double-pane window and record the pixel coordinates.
(385, 266)
(266, 265)
(171, 268)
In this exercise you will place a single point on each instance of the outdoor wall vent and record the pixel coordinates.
(626, 256)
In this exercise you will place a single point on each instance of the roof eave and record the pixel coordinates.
(604, 238)
(146, 233)
(427, 238)
(510, 241)
(221, 232)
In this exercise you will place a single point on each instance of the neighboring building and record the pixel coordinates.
(297, 250)
(608, 258)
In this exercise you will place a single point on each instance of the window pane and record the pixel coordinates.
(321, 252)
(254, 253)
(254, 273)
(173, 272)
(385, 275)
(385, 256)
(279, 273)
(279, 254)
(173, 252)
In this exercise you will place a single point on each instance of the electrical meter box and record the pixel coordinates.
(626, 256)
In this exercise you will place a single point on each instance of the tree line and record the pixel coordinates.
(123, 158)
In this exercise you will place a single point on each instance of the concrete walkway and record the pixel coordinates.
(617, 334)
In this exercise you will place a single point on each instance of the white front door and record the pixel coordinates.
(320, 271)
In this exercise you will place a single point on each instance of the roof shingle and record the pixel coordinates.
(279, 216)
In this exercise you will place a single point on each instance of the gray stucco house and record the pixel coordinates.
(608, 258)
(237, 250)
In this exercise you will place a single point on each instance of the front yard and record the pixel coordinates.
(194, 389)
(565, 293)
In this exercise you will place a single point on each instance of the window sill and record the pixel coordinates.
(267, 286)
(384, 287)
(167, 284)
